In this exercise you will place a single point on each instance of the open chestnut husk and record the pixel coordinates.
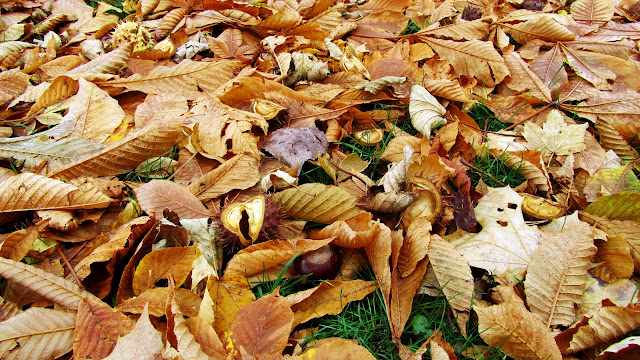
(322, 263)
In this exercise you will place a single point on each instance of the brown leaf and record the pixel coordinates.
(94, 114)
(261, 329)
(54, 288)
(185, 341)
(29, 191)
(109, 63)
(590, 68)
(327, 299)
(261, 257)
(183, 79)
(516, 331)
(614, 257)
(294, 146)
(473, 58)
(143, 340)
(157, 195)
(150, 141)
(337, 349)
(415, 246)
(356, 232)
(453, 274)
(239, 172)
(207, 338)
(606, 324)
(557, 275)
(37, 333)
(163, 263)
(12, 83)
(403, 291)
(592, 12)
(317, 202)
(98, 327)
(156, 301)
(16, 245)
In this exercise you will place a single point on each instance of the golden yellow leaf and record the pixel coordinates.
(228, 297)
(61, 87)
(37, 333)
(58, 290)
(163, 263)
(614, 258)
(621, 206)
(557, 275)
(517, 332)
(555, 136)
(327, 299)
(29, 191)
(317, 202)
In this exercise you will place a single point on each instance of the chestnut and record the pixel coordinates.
(322, 263)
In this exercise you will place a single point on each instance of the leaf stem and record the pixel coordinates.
(66, 262)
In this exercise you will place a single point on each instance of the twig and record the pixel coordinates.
(529, 117)
(464, 162)
(66, 262)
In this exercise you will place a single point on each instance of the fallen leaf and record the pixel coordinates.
(143, 340)
(161, 264)
(157, 195)
(293, 146)
(516, 331)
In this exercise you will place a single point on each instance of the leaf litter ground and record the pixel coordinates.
(319, 179)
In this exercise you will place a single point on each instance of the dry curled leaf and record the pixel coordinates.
(294, 146)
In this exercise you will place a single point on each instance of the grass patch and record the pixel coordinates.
(494, 172)
(411, 28)
(154, 168)
(486, 119)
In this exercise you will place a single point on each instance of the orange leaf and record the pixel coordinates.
(156, 300)
(98, 327)
(261, 329)
(161, 264)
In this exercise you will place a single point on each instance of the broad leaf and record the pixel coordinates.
(37, 333)
(157, 195)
